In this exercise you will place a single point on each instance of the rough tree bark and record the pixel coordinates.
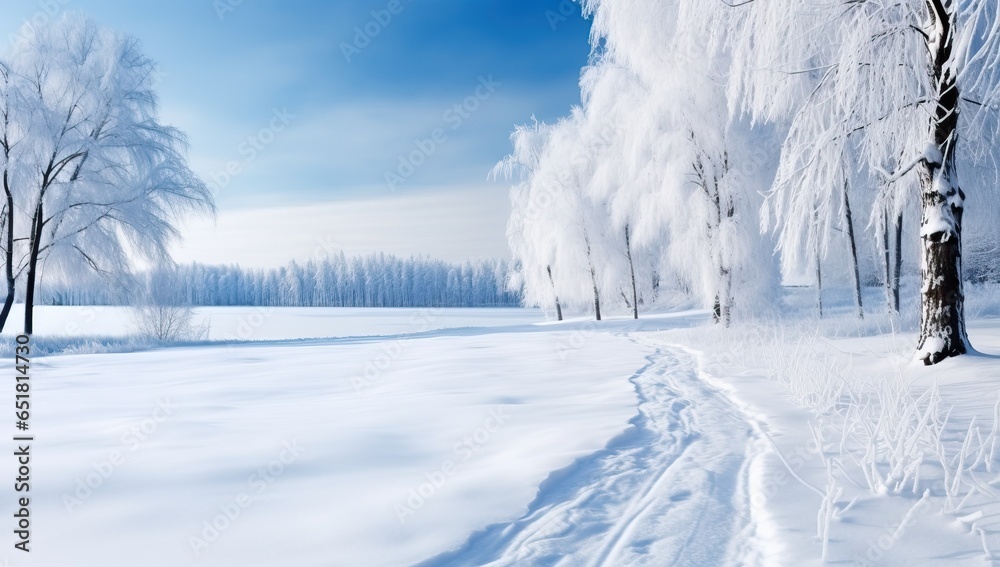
(942, 302)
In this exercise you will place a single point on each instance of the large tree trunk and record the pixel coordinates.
(849, 220)
(29, 292)
(631, 269)
(556, 295)
(942, 302)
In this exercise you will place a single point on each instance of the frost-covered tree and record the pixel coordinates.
(648, 181)
(872, 108)
(531, 248)
(10, 149)
(880, 83)
(558, 231)
(568, 216)
(613, 96)
(107, 177)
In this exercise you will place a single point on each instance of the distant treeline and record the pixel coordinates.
(377, 280)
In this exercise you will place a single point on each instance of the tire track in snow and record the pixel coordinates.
(670, 490)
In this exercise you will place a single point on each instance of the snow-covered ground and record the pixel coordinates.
(331, 452)
(862, 457)
(518, 442)
(273, 323)
(671, 491)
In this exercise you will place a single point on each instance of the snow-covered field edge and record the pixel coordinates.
(863, 457)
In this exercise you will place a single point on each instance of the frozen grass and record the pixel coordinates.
(95, 344)
(982, 300)
(884, 427)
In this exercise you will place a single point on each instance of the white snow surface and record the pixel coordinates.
(273, 323)
(671, 491)
(658, 442)
(492, 412)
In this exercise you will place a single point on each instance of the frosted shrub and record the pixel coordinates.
(169, 323)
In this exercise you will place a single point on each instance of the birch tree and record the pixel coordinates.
(10, 147)
(108, 178)
(884, 79)
(648, 184)
(691, 174)
(532, 209)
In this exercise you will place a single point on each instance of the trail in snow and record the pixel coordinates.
(671, 490)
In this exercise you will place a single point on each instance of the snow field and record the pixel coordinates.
(269, 454)
(670, 491)
(781, 444)
(272, 323)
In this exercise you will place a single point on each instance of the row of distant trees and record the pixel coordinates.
(91, 178)
(376, 280)
(722, 147)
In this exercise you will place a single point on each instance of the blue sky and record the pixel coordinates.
(313, 115)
